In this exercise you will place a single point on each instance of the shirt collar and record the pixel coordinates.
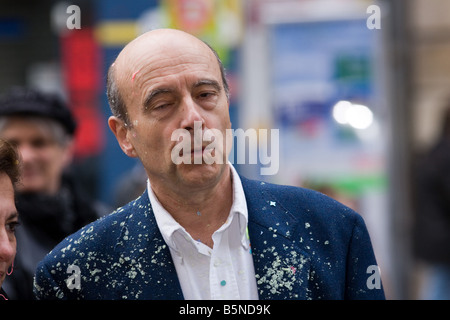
(168, 225)
(239, 206)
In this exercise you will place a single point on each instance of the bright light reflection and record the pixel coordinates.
(340, 111)
(356, 115)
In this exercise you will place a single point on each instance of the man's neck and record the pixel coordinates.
(201, 212)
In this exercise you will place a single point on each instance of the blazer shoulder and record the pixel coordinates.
(297, 201)
(309, 210)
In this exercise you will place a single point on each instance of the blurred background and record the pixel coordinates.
(358, 90)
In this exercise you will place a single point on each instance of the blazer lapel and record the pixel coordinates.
(282, 268)
(149, 271)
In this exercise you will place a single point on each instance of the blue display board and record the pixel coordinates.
(313, 66)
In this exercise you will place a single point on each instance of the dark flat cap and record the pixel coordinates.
(21, 101)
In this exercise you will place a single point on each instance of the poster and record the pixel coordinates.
(315, 68)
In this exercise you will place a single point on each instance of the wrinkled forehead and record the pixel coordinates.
(159, 50)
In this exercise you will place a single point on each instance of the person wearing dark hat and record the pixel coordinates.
(50, 202)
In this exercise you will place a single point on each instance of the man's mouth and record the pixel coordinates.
(198, 150)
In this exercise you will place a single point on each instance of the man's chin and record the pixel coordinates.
(200, 174)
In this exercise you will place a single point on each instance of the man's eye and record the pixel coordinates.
(206, 94)
(161, 107)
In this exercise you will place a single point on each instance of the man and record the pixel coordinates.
(51, 205)
(9, 175)
(201, 231)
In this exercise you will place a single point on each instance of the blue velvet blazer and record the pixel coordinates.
(305, 245)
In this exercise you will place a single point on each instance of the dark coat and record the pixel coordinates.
(304, 244)
(432, 204)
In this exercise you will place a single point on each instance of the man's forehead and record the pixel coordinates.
(161, 52)
(157, 45)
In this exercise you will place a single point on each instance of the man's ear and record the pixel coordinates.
(121, 132)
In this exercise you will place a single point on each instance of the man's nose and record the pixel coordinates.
(191, 113)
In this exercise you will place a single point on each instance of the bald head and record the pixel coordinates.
(151, 48)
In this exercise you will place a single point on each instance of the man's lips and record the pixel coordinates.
(198, 150)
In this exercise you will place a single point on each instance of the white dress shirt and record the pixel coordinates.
(224, 272)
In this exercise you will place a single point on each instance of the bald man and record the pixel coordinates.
(200, 230)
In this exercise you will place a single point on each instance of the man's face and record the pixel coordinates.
(167, 88)
(43, 159)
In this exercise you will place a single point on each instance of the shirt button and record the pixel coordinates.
(223, 283)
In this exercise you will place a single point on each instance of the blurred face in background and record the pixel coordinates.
(45, 151)
(8, 222)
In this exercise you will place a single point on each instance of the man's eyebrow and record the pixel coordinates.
(197, 84)
(208, 82)
(155, 93)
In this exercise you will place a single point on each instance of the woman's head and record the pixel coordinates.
(9, 176)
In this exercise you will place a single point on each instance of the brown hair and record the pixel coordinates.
(9, 161)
